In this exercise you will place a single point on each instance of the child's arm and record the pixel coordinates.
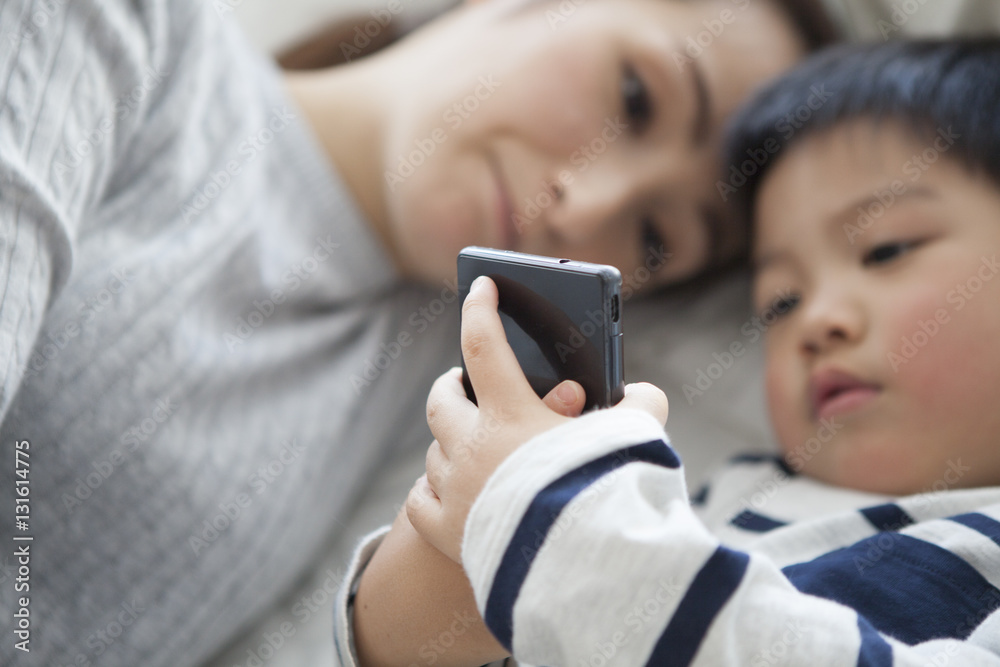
(414, 604)
(471, 441)
(582, 549)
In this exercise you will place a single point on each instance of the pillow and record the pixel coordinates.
(703, 347)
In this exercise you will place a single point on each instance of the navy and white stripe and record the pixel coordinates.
(906, 588)
(887, 517)
(542, 513)
(893, 576)
(755, 522)
(709, 591)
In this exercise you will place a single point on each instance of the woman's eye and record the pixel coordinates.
(886, 252)
(636, 100)
(651, 240)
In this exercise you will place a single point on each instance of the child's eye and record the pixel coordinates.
(636, 100)
(778, 307)
(785, 304)
(886, 252)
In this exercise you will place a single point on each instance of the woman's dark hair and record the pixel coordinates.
(813, 22)
(931, 87)
(815, 26)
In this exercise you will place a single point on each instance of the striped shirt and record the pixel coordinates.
(765, 567)
(584, 549)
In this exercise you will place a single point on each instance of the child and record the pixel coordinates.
(875, 539)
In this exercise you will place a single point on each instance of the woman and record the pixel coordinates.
(584, 129)
(211, 324)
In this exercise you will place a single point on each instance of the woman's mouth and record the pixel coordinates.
(833, 393)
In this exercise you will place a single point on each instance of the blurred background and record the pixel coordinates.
(275, 27)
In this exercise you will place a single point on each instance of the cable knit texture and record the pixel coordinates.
(191, 314)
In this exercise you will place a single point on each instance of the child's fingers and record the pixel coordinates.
(427, 516)
(436, 467)
(492, 366)
(646, 397)
(421, 502)
(567, 399)
(450, 415)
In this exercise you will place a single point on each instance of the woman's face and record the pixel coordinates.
(584, 128)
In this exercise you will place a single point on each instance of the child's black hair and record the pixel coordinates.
(931, 87)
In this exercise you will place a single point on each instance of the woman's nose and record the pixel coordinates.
(623, 185)
(587, 205)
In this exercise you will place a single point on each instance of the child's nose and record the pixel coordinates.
(831, 318)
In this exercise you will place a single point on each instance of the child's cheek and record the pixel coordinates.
(933, 351)
(788, 416)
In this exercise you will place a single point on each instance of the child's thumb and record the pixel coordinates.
(648, 398)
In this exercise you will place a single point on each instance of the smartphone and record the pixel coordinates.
(562, 319)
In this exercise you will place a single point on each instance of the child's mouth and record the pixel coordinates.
(833, 392)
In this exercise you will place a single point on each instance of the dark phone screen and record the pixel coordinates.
(566, 334)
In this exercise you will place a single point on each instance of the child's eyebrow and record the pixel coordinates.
(760, 262)
(878, 196)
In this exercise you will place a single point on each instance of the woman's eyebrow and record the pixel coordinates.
(715, 227)
(759, 262)
(703, 105)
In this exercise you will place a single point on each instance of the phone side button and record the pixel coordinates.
(616, 383)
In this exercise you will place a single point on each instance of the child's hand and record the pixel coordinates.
(472, 441)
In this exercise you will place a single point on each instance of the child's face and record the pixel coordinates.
(598, 100)
(883, 372)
